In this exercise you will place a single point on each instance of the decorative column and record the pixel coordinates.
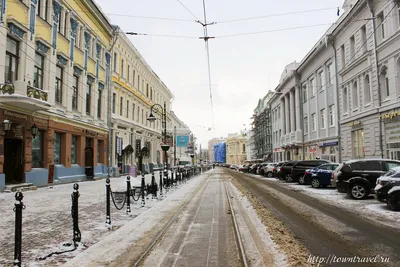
(57, 10)
(292, 110)
(298, 108)
(282, 116)
(287, 114)
(87, 40)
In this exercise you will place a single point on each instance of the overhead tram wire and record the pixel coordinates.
(188, 10)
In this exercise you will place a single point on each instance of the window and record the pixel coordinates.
(358, 144)
(151, 93)
(73, 149)
(367, 90)
(127, 109)
(147, 90)
(321, 80)
(57, 148)
(331, 115)
(100, 92)
(312, 87)
(41, 8)
(322, 113)
(305, 125)
(59, 22)
(305, 96)
(115, 62)
(75, 84)
(380, 26)
(352, 47)
(38, 71)
(65, 23)
(59, 83)
(329, 73)
(363, 32)
(354, 95)
(345, 100)
(122, 68)
(133, 77)
(314, 123)
(12, 58)
(121, 105)
(113, 102)
(342, 56)
(384, 82)
(88, 98)
(37, 150)
(133, 111)
(129, 73)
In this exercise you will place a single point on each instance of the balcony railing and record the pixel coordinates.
(36, 93)
(7, 89)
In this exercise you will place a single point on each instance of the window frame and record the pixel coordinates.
(88, 98)
(59, 81)
(38, 71)
(75, 90)
(39, 164)
(11, 57)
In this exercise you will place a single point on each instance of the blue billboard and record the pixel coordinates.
(182, 140)
(220, 153)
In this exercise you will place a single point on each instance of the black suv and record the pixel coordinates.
(286, 170)
(300, 168)
(358, 177)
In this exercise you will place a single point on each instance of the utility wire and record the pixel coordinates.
(187, 9)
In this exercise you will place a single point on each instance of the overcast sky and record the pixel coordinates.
(243, 67)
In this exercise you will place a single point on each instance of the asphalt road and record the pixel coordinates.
(325, 230)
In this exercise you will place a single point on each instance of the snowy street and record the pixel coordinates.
(47, 221)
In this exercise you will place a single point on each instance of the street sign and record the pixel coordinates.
(182, 140)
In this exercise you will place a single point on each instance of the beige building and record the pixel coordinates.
(236, 149)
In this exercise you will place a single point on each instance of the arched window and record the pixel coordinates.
(367, 90)
(345, 100)
(354, 95)
(384, 83)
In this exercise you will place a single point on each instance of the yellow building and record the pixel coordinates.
(236, 149)
(53, 92)
(136, 88)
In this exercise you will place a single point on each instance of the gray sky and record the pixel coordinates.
(243, 67)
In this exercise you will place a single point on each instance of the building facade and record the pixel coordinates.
(262, 129)
(55, 60)
(236, 149)
(180, 132)
(136, 88)
(211, 144)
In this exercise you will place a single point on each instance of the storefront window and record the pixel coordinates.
(358, 144)
(57, 148)
(37, 151)
(73, 149)
(99, 144)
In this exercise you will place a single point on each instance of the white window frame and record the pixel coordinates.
(329, 73)
(331, 115)
(345, 100)
(367, 89)
(312, 87)
(313, 122)
(355, 95)
(305, 124)
(322, 113)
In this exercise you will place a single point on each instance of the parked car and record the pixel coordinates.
(285, 171)
(300, 168)
(268, 169)
(358, 177)
(253, 168)
(234, 167)
(277, 168)
(387, 182)
(319, 176)
(260, 168)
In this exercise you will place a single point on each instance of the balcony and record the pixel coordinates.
(24, 96)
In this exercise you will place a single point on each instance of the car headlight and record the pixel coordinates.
(383, 183)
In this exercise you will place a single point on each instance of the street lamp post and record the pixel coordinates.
(164, 145)
(192, 156)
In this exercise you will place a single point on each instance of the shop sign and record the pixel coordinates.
(18, 116)
(40, 121)
(354, 123)
(322, 144)
(389, 115)
(393, 133)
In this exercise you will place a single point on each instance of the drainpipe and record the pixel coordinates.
(332, 43)
(301, 123)
(371, 8)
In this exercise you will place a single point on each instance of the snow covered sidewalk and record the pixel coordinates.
(47, 221)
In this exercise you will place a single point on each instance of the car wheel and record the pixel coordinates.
(394, 201)
(269, 174)
(358, 191)
(302, 181)
(289, 178)
(315, 183)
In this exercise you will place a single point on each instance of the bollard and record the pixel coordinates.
(18, 207)
(128, 195)
(161, 185)
(142, 190)
(153, 186)
(75, 218)
(108, 192)
(172, 178)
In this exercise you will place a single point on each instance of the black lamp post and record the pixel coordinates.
(164, 145)
(34, 131)
(192, 156)
(143, 151)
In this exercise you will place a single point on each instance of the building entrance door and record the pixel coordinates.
(89, 166)
(14, 161)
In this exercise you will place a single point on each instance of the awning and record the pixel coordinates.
(128, 149)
